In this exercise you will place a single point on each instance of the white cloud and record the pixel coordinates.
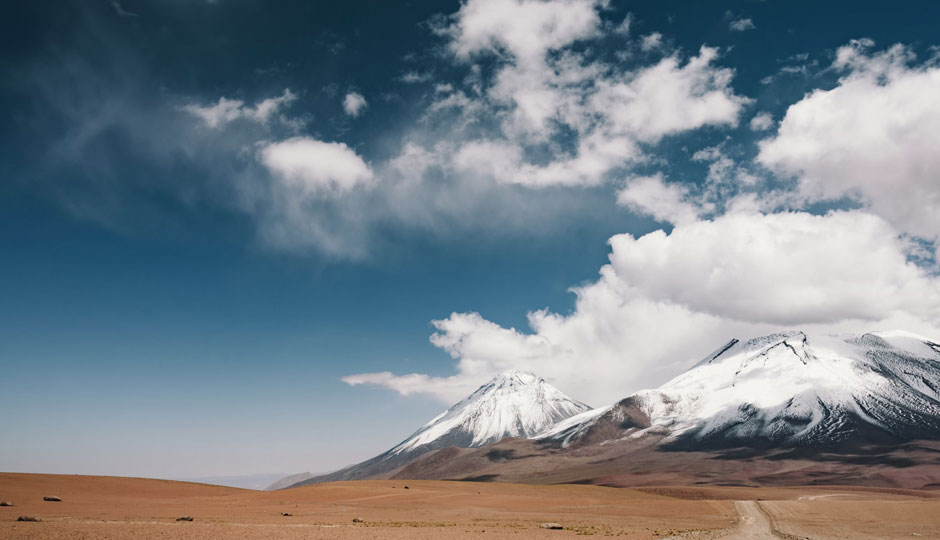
(315, 198)
(314, 166)
(266, 108)
(525, 29)
(665, 300)
(873, 137)
(543, 93)
(229, 110)
(413, 162)
(786, 268)
(225, 111)
(651, 42)
(762, 122)
(652, 196)
(406, 385)
(724, 179)
(354, 104)
(668, 98)
(741, 25)
(490, 158)
(624, 27)
(610, 117)
(415, 77)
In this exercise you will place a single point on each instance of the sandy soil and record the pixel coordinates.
(128, 508)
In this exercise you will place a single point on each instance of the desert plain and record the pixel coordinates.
(133, 508)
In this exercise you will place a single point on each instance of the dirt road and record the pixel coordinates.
(755, 525)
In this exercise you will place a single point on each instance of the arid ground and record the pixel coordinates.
(130, 508)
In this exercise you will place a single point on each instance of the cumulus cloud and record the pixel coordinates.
(872, 137)
(741, 25)
(314, 166)
(762, 122)
(651, 42)
(354, 104)
(594, 117)
(523, 28)
(229, 110)
(668, 98)
(313, 197)
(650, 195)
(787, 268)
(665, 300)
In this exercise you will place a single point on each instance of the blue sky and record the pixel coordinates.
(228, 228)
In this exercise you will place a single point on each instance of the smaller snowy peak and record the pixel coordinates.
(512, 377)
(512, 404)
(506, 381)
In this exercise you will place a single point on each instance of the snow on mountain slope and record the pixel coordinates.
(785, 389)
(512, 404)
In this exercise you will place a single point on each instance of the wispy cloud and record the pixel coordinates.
(415, 77)
(741, 25)
(119, 9)
(228, 110)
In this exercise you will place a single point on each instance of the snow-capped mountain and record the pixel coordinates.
(512, 404)
(798, 401)
(785, 389)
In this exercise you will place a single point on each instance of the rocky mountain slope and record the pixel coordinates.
(512, 404)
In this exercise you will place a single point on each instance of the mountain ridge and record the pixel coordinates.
(782, 408)
(514, 403)
(788, 389)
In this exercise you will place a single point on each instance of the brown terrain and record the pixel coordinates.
(642, 462)
(133, 508)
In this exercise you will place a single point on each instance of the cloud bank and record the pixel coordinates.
(665, 300)
(761, 262)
